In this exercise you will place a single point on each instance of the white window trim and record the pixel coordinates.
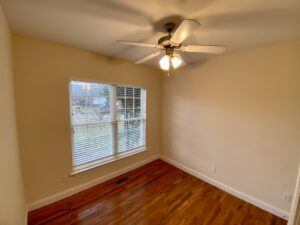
(107, 82)
(118, 156)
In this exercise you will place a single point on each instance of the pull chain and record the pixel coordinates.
(169, 65)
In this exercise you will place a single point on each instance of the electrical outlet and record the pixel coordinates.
(213, 168)
(286, 197)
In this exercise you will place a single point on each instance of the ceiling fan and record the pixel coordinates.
(170, 45)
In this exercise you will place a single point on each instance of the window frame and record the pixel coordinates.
(100, 162)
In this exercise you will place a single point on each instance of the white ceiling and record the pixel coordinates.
(96, 25)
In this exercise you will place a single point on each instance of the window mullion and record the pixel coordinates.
(143, 113)
(113, 113)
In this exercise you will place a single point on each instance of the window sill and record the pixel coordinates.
(102, 162)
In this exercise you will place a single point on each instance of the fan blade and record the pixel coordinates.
(184, 30)
(138, 44)
(217, 49)
(153, 55)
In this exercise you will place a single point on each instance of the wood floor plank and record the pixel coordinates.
(156, 193)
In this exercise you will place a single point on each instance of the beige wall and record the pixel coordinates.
(12, 209)
(240, 112)
(42, 71)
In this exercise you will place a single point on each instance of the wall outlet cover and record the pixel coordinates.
(286, 197)
(213, 168)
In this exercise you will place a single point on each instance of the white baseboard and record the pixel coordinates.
(254, 201)
(72, 191)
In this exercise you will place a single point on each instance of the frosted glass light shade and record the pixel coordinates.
(176, 62)
(165, 62)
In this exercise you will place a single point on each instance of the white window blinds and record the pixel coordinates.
(131, 118)
(108, 122)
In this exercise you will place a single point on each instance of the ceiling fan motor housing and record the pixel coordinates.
(165, 40)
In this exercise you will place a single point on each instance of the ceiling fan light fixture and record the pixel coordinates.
(165, 62)
(171, 44)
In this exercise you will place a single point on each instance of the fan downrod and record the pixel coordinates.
(165, 40)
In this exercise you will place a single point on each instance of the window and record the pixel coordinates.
(108, 122)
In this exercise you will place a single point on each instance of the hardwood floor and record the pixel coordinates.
(156, 194)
